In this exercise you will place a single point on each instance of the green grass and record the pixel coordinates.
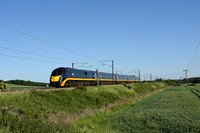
(22, 87)
(51, 111)
(174, 110)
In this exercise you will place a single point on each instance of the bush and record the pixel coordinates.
(4, 86)
(171, 82)
(81, 87)
(127, 86)
(192, 84)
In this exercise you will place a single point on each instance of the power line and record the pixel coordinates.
(39, 55)
(122, 65)
(20, 44)
(46, 42)
(193, 56)
(33, 54)
(29, 58)
(195, 66)
(195, 63)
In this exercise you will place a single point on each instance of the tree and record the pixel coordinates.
(4, 86)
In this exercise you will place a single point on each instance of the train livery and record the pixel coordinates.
(64, 77)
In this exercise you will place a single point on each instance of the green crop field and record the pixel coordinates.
(175, 109)
(22, 87)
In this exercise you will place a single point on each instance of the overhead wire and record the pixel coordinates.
(26, 58)
(46, 42)
(195, 65)
(192, 66)
(195, 51)
(35, 48)
(125, 67)
(20, 51)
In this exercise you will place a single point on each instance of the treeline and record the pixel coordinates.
(194, 80)
(168, 82)
(180, 81)
(191, 80)
(27, 83)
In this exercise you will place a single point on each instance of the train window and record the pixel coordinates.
(57, 72)
(65, 74)
(85, 73)
(90, 75)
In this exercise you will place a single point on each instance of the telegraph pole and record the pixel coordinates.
(181, 80)
(97, 76)
(116, 76)
(72, 65)
(113, 72)
(150, 77)
(186, 78)
(139, 75)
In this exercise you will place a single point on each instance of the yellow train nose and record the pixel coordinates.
(55, 78)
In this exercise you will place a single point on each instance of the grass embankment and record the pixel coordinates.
(175, 109)
(51, 111)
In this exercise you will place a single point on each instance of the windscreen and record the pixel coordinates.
(57, 72)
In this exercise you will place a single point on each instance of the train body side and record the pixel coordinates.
(71, 77)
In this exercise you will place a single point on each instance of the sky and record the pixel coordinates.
(158, 37)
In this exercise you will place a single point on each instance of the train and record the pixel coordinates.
(66, 77)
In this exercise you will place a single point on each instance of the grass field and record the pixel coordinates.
(55, 111)
(22, 87)
(175, 109)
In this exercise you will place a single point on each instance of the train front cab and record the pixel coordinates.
(56, 77)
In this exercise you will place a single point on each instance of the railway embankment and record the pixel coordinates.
(57, 110)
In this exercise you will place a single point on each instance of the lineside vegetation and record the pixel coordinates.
(56, 111)
(4, 86)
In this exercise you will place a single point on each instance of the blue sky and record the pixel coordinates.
(158, 37)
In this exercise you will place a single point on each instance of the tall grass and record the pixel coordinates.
(51, 111)
(174, 110)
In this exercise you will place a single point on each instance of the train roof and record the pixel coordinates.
(89, 71)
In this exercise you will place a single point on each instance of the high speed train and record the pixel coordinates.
(64, 77)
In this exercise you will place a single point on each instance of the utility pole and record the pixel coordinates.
(180, 79)
(72, 65)
(186, 78)
(116, 76)
(113, 72)
(139, 75)
(150, 77)
(97, 76)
